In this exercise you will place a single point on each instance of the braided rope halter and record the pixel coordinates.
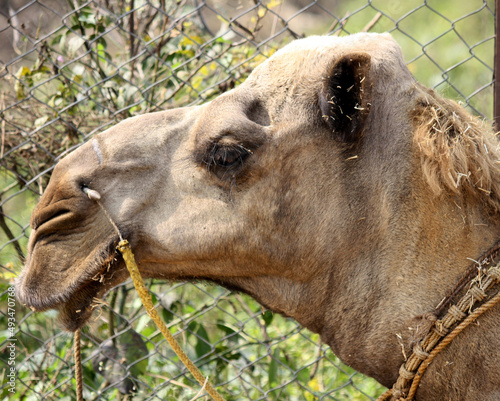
(481, 277)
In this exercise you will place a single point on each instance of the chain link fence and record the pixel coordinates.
(71, 68)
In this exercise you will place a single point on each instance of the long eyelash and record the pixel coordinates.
(244, 152)
(210, 161)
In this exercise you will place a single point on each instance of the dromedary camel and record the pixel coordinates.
(330, 186)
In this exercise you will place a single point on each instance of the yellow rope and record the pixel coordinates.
(387, 395)
(471, 318)
(78, 366)
(395, 393)
(128, 257)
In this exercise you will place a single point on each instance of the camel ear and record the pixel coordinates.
(346, 96)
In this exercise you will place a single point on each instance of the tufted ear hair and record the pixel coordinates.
(345, 98)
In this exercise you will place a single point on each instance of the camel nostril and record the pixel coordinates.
(37, 223)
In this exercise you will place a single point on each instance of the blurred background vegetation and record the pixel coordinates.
(71, 68)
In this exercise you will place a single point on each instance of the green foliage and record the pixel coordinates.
(121, 360)
(226, 335)
(87, 77)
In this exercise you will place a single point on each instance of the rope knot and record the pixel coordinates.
(477, 293)
(456, 313)
(495, 273)
(405, 373)
(440, 329)
(398, 395)
(419, 352)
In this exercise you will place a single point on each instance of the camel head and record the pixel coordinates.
(302, 187)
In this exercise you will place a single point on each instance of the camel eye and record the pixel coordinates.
(227, 156)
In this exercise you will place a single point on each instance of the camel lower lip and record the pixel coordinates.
(77, 311)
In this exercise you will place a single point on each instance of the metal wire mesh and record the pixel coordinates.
(71, 68)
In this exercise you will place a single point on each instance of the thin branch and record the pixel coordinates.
(372, 23)
(8, 233)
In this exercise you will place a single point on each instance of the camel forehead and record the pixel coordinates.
(372, 43)
(312, 53)
(304, 63)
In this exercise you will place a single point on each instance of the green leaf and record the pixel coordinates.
(154, 298)
(19, 88)
(267, 316)
(192, 327)
(203, 346)
(230, 334)
(62, 41)
(19, 85)
(168, 313)
(303, 376)
(273, 368)
(22, 72)
(87, 16)
(143, 322)
(134, 349)
(101, 41)
(100, 51)
(40, 121)
(75, 44)
(78, 69)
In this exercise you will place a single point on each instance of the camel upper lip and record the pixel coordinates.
(94, 278)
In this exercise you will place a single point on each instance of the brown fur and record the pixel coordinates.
(456, 154)
(329, 185)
